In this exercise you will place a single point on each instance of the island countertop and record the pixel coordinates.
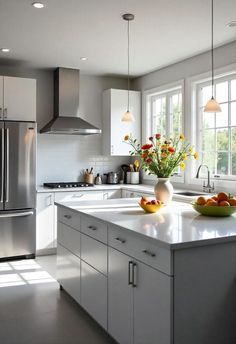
(176, 226)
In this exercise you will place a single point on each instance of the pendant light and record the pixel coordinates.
(128, 116)
(212, 105)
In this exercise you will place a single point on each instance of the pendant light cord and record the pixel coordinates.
(128, 65)
(212, 49)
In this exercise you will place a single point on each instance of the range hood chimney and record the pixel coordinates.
(66, 106)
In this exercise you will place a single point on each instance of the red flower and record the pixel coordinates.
(149, 161)
(171, 149)
(158, 136)
(146, 146)
(151, 138)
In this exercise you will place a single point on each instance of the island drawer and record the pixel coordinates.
(140, 248)
(69, 238)
(94, 253)
(69, 217)
(94, 228)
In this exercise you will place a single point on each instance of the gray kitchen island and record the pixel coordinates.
(164, 278)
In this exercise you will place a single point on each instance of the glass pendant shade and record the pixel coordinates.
(127, 117)
(212, 106)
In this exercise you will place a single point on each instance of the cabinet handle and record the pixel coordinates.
(5, 113)
(92, 228)
(121, 241)
(149, 253)
(68, 217)
(130, 277)
(134, 274)
(0, 111)
(112, 149)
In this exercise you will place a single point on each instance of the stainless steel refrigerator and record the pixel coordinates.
(17, 189)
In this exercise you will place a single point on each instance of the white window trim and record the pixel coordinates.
(146, 130)
(191, 108)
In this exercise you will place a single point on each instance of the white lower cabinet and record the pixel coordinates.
(112, 194)
(94, 293)
(139, 301)
(125, 292)
(120, 298)
(68, 271)
(152, 306)
(45, 231)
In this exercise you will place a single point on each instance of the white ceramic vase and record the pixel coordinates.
(164, 190)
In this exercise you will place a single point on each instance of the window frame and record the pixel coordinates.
(199, 123)
(147, 124)
(190, 124)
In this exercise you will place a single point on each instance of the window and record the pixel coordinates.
(216, 132)
(164, 114)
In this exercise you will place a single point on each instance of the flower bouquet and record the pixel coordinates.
(162, 157)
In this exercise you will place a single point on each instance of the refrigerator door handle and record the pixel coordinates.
(24, 213)
(7, 165)
(2, 169)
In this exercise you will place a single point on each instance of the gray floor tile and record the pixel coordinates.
(33, 312)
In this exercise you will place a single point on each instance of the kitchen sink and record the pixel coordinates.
(188, 193)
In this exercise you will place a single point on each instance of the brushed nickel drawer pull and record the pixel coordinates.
(121, 241)
(68, 217)
(151, 254)
(130, 278)
(92, 228)
(134, 273)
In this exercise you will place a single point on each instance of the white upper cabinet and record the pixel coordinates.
(17, 99)
(114, 130)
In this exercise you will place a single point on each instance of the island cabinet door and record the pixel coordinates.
(152, 306)
(94, 293)
(68, 272)
(120, 298)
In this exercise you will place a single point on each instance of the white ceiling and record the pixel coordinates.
(164, 32)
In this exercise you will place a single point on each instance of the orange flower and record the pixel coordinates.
(126, 138)
(196, 155)
(144, 155)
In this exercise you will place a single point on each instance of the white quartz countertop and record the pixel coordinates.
(176, 226)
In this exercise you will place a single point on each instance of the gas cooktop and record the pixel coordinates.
(67, 185)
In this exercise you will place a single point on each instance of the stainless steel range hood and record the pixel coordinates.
(66, 106)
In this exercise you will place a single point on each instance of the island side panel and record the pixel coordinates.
(205, 295)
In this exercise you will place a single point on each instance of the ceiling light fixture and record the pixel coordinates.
(83, 58)
(5, 50)
(212, 105)
(38, 5)
(128, 116)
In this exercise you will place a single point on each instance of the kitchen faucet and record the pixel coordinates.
(209, 187)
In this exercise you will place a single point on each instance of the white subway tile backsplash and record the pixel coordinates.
(65, 158)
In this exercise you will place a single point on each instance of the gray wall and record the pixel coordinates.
(224, 55)
(60, 157)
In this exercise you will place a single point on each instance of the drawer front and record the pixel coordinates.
(68, 272)
(68, 217)
(140, 248)
(94, 293)
(94, 253)
(78, 196)
(94, 228)
(69, 238)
